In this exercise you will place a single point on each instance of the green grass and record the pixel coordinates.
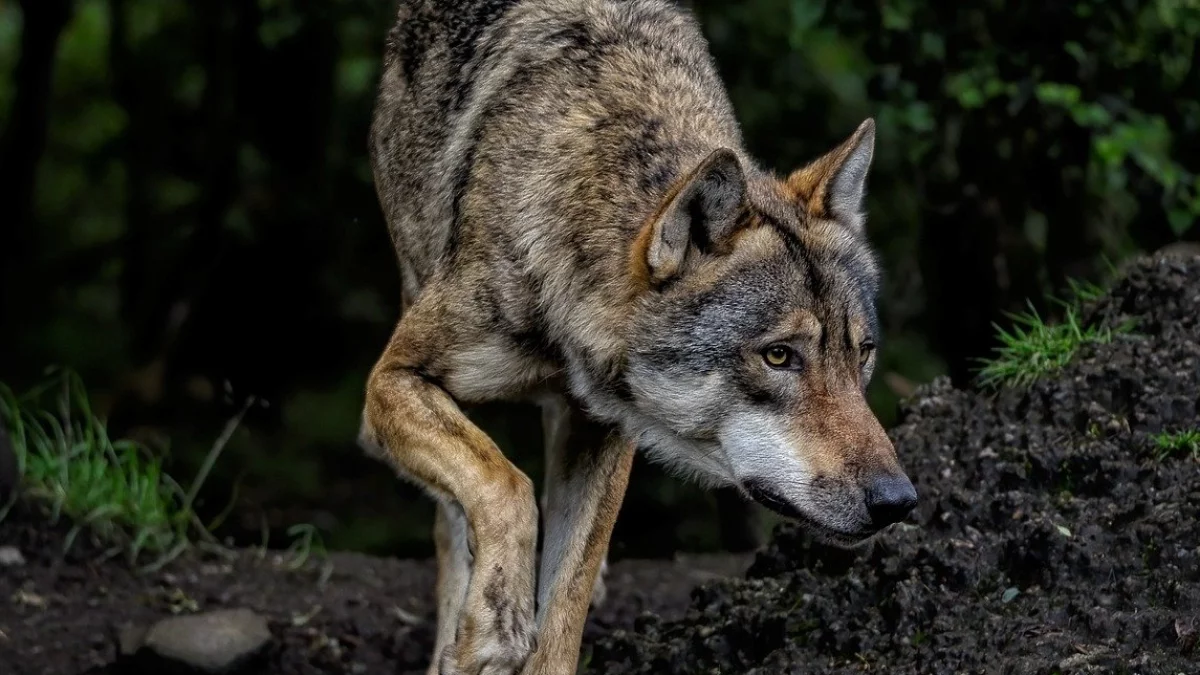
(1185, 443)
(116, 490)
(1034, 348)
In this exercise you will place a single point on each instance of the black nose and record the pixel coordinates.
(890, 498)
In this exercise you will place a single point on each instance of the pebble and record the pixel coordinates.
(220, 642)
(10, 556)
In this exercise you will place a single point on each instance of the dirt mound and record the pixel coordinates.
(1050, 536)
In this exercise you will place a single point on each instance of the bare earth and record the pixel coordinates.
(372, 615)
(1050, 539)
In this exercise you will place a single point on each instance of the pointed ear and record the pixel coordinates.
(700, 212)
(834, 185)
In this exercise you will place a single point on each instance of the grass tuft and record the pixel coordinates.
(114, 489)
(1185, 443)
(306, 543)
(1033, 348)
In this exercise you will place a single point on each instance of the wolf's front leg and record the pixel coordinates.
(419, 428)
(556, 414)
(586, 476)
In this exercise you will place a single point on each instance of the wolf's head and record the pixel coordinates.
(755, 339)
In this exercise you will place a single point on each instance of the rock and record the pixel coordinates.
(10, 556)
(1185, 629)
(28, 598)
(220, 642)
(130, 639)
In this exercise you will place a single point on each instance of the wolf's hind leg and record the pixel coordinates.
(586, 477)
(418, 427)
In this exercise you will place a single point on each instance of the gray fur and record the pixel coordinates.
(575, 216)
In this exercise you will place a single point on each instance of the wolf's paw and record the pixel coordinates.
(496, 644)
(494, 659)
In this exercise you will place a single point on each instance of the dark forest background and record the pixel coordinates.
(187, 215)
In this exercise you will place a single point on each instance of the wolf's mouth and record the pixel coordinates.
(773, 501)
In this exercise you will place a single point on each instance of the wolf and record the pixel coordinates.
(579, 225)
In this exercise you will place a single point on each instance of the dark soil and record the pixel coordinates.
(60, 616)
(1050, 538)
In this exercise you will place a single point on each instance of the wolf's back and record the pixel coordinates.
(497, 110)
(441, 36)
(422, 92)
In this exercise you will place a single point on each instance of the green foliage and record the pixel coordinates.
(1131, 137)
(307, 543)
(211, 211)
(1033, 348)
(116, 490)
(1110, 83)
(1175, 444)
(113, 488)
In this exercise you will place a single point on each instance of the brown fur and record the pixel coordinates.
(578, 225)
(809, 184)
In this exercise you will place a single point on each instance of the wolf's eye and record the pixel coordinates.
(779, 356)
(864, 353)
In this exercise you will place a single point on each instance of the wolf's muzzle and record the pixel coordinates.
(764, 495)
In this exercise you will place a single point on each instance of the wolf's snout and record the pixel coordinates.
(890, 498)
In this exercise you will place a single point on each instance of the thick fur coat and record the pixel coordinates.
(578, 224)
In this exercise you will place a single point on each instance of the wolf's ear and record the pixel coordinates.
(834, 185)
(700, 211)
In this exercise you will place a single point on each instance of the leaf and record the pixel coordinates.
(1076, 50)
(1110, 151)
(1010, 594)
(356, 75)
(897, 16)
(1054, 93)
(1180, 221)
(1092, 115)
(964, 89)
(806, 14)
(919, 117)
(933, 46)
